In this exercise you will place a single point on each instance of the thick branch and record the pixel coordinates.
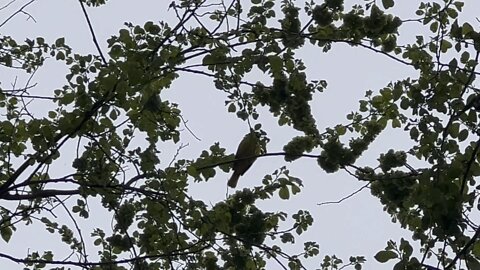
(46, 193)
(178, 252)
(464, 250)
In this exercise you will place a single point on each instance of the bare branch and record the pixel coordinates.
(17, 12)
(90, 27)
(346, 197)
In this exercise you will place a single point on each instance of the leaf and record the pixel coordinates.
(276, 64)
(454, 129)
(464, 57)
(284, 193)
(462, 136)
(340, 129)
(467, 28)
(385, 255)
(452, 13)
(445, 45)
(434, 27)
(476, 249)
(6, 233)
(388, 3)
(396, 123)
(40, 41)
(406, 248)
(295, 189)
(60, 56)
(459, 5)
(452, 66)
(232, 108)
(60, 42)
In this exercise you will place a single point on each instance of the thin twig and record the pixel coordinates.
(189, 130)
(346, 197)
(179, 252)
(92, 32)
(8, 4)
(18, 11)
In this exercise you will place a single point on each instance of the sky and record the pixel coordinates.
(357, 226)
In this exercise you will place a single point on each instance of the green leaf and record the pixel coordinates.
(434, 27)
(284, 193)
(452, 13)
(406, 248)
(276, 64)
(462, 136)
(295, 189)
(476, 249)
(340, 129)
(385, 255)
(459, 5)
(232, 108)
(467, 29)
(388, 3)
(6, 232)
(60, 56)
(464, 57)
(396, 123)
(454, 129)
(452, 66)
(60, 42)
(52, 114)
(445, 45)
(40, 40)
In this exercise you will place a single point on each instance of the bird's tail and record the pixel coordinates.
(233, 180)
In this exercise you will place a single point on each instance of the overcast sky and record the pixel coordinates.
(357, 226)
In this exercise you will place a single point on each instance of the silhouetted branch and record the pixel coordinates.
(346, 197)
(178, 252)
(90, 27)
(18, 11)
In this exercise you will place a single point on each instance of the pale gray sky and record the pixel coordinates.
(357, 226)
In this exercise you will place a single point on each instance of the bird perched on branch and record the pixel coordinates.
(246, 154)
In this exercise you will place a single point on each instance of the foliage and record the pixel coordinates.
(110, 101)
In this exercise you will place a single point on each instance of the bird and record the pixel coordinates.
(246, 153)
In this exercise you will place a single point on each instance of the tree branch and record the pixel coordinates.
(178, 252)
(90, 27)
(46, 193)
(18, 11)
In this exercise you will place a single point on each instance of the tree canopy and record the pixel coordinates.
(108, 124)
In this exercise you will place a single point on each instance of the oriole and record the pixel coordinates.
(246, 154)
